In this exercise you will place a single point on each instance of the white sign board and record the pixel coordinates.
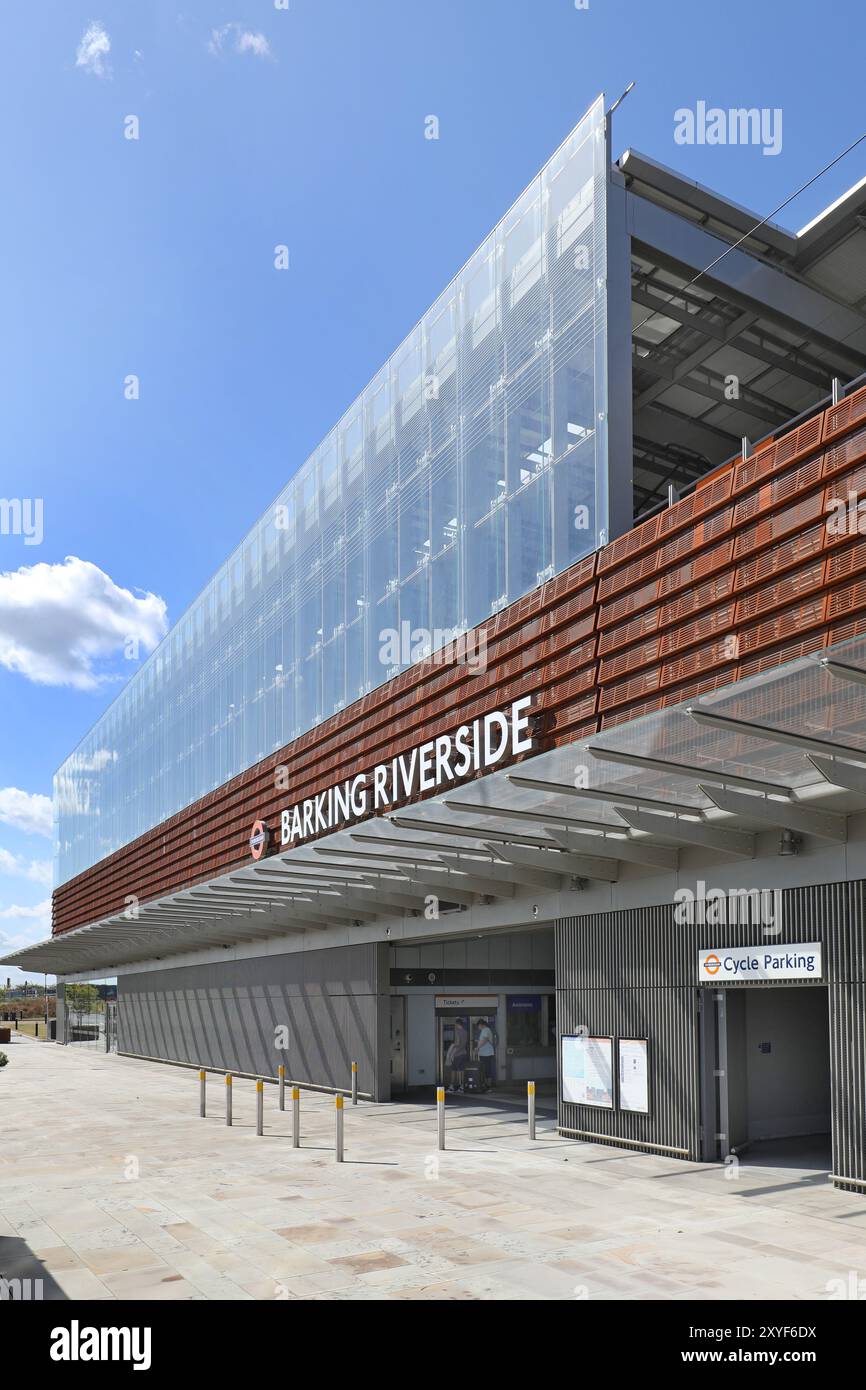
(798, 961)
(587, 1071)
(633, 1075)
(487, 1002)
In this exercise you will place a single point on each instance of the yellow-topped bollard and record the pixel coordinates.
(440, 1114)
(260, 1107)
(281, 1073)
(338, 1107)
(202, 1093)
(228, 1097)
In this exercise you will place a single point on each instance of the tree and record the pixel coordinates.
(83, 999)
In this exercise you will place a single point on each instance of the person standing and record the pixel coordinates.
(486, 1051)
(458, 1055)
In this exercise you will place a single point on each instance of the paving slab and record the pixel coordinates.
(112, 1187)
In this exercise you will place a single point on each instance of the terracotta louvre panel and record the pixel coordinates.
(769, 661)
(841, 455)
(720, 620)
(775, 595)
(701, 501)
(783, 523)
(709, 658)
(629, 632)
(615, 609)
(739, 577)
(780, 557)
(838, 419)
(613, 582)
(716, 558)
(694, 539)
(626, 547)
(629, 660)
(843, 563)
(703, 596)
(780, 489)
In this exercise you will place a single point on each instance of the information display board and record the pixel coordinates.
(633, 1075)
(587, 1071)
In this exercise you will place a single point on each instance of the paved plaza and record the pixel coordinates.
(112, 1187)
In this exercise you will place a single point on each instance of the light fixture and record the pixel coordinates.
(789, 843)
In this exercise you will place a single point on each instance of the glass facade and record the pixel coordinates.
(472, 468)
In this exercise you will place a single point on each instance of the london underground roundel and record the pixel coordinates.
(712, 964)
(260, 839)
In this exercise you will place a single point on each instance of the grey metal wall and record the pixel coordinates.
(333, 1002)
(634, 974)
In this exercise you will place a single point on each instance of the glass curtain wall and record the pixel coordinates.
(472, 468)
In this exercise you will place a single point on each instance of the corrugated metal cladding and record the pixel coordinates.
(225, 1015)
(634, 974)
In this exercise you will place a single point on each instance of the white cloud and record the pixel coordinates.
(37, 870)
(93, 50)
(234, 35)
(57, 622)
(36, 910)
(28, 811)
(36, 925)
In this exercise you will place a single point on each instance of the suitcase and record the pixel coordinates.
(473, 1077)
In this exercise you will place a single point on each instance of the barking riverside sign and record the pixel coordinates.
(473, 747)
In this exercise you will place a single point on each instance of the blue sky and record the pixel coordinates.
(262, 126)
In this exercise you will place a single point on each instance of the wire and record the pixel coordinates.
(706, 270)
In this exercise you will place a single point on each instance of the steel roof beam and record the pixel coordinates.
(473, 832)
(807, 820)
(843, 671)
(453, 888)
(691, 832)
(848, 776)
(541, 817)
(604, 794)
(810, 743)
(561, 863)
(628, 851)
(692, 774)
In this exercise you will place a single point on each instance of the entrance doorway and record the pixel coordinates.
(770, 1089)
(398, 1043)
(466, 1050)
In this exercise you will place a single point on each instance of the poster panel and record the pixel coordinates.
(633, 1075)
(587, 1071)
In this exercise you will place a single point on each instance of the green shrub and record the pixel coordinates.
(3, 1059)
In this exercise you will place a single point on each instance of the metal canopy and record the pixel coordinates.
(783, 751)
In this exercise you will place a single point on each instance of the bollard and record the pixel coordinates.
(260, 1107)
(296, 1117)
(338, 1107)
(440, 1110)
(202, 1096)
(354, 1083)
(530, 1101)
(228, 1097)
(281, 1073)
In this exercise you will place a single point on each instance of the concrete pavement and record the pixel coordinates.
(112, 1187)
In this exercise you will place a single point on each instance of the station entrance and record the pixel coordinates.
(476, 1015)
